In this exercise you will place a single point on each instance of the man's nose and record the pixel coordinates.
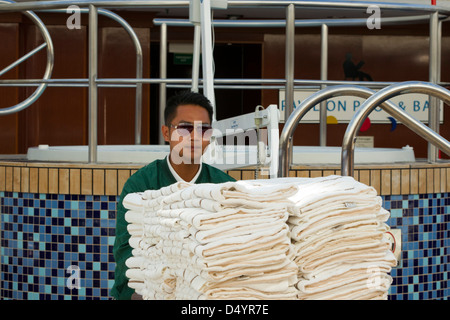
(196, 134)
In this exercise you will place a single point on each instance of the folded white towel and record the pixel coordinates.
(135, 274)
(136, 262)
(135, 229)
(352, 289)
(234, 194)
(286, 238)
(138, 286)
(135, 217)
(332, 224)
(216, 250)
(243, 293)
(321, 271)
(134, 202)
(203, 219)
(207, 204)
(339, 241)
(165, 191)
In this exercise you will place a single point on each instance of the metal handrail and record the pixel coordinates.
(290, 23)
(48, 69)
(139, 68)
(94, 81)
(23, 58)
(46, 80)
(285, 149)
(379, 99)
(244, 4)
(255, 23)
(226, 83)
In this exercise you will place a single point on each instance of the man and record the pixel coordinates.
(187, 129)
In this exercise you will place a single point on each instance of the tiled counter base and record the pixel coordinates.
(58, 226)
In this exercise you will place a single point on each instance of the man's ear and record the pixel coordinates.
(165, 133)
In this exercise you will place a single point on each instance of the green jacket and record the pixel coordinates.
(153, 176)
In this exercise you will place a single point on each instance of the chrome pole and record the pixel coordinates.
(323, 76)
(433, 110)
(138, 103)
(290, 59)
(289, 67)
(93, 56)
(162, 75)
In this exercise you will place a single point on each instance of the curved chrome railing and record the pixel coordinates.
(46, 80)
(97, 7)
(379, 99)
(285, 150)
(48, 69)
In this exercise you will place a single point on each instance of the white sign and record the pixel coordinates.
(343, 108)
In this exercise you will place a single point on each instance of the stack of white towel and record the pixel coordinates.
(338, 228)
(211, 241)
(287, 238)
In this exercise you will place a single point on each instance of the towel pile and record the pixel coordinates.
(211, 241)
(338, 230)
(286, 238)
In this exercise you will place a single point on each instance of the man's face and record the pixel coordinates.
(185, 136)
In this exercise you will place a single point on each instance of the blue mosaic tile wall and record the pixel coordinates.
(60, 246)
(423, 271)
(56, 246)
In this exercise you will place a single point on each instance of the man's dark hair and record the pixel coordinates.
(185, 98)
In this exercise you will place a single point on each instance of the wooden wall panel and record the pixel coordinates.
(63, 111)
(117, 59)
(9, 35)
(58, 117)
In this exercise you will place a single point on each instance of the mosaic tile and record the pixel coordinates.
(48, 241)
(424, 266)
